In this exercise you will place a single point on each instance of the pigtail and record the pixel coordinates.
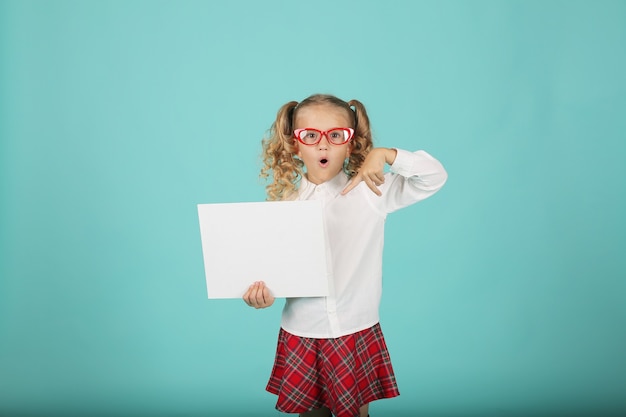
(279, 156)
(284, 118)
(362, 142)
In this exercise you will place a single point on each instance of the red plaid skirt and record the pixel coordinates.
(341, 374)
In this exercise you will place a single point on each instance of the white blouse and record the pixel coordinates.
(354, 229)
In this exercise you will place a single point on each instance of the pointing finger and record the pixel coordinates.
(372, 186)
(353, 183)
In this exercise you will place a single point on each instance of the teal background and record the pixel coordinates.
(504, 293)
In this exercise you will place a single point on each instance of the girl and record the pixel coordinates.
(331, 355)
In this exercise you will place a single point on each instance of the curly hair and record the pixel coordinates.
(279, 149)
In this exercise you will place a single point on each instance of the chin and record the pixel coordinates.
(321, 177)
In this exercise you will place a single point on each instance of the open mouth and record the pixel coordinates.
(323, 162)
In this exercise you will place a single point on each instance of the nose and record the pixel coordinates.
(323, 143)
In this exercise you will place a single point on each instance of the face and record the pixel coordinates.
(324, 160)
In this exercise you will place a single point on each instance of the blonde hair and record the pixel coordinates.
(279, 149)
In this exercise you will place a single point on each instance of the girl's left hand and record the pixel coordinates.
(372, 170)
(258, 296)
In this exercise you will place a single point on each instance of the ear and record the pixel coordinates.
(349, 149)
(297, 146)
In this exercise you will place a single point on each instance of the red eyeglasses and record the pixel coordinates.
(336, 135)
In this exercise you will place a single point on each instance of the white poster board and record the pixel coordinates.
(281, 243)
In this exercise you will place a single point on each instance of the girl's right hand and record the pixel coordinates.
(258, 295)
(372, 170)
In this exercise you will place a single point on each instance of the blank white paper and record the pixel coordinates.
(281, 243)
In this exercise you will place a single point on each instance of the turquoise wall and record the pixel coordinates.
(505, 294)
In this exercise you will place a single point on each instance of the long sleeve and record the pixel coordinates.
(414, 176)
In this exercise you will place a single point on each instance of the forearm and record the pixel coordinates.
(423, 169)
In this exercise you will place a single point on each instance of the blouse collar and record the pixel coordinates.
(333, 186)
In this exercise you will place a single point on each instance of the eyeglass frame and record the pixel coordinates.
(322, 134)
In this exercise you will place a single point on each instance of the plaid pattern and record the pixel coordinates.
(342, 374)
